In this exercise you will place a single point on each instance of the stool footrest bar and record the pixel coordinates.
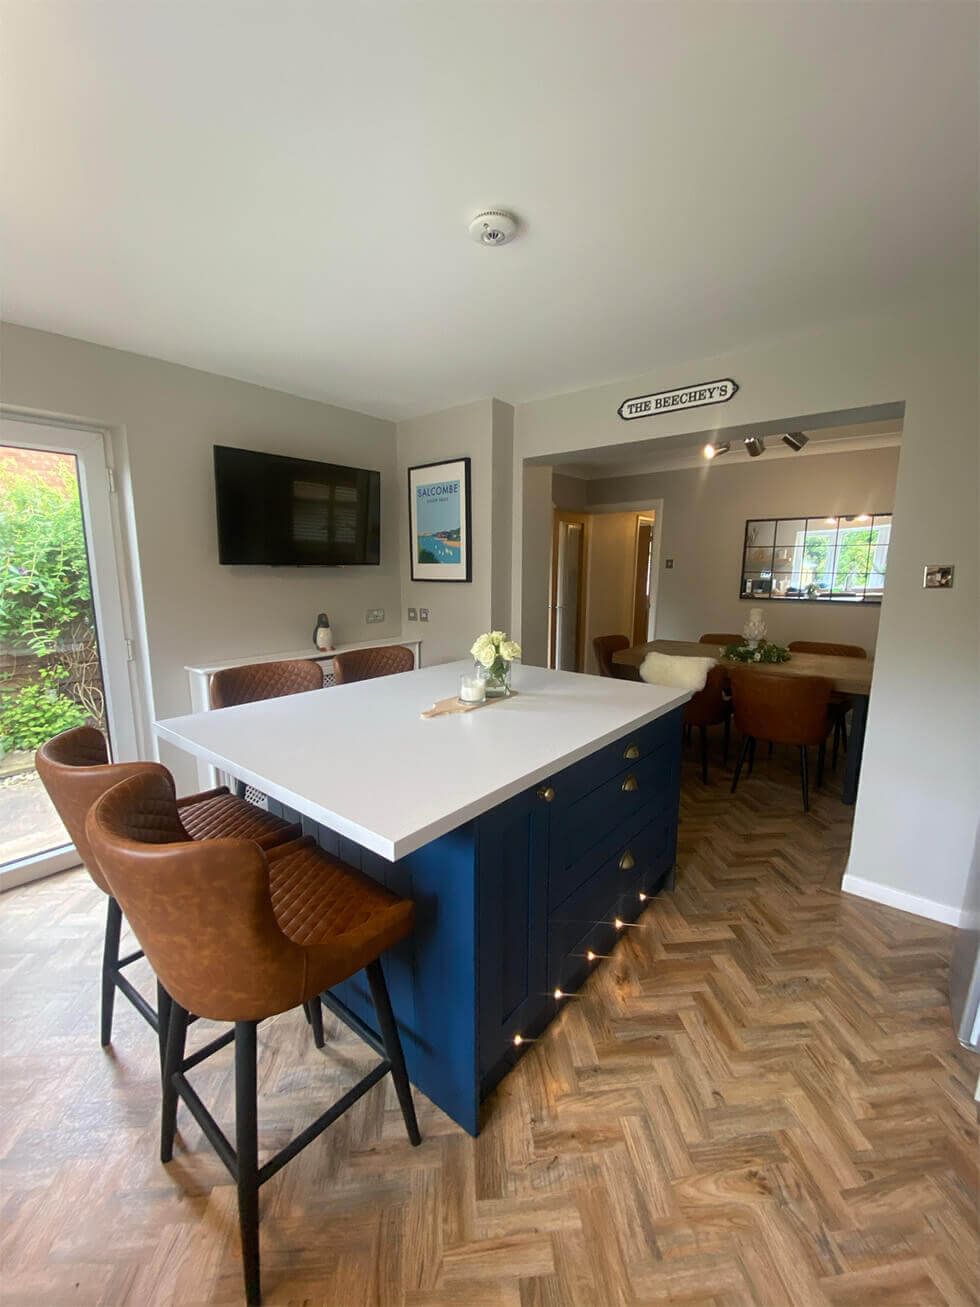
(353, 1022)
(307, 1136)
(217, 1139)
(137, 1000)
(196, 1058)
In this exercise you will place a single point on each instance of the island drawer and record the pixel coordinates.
(612, 890)
(576, 859)
(572, 970)
(628, 751)
(582, 834)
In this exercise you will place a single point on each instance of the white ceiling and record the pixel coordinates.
(279, 191)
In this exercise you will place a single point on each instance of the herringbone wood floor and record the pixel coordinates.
(758, 1100)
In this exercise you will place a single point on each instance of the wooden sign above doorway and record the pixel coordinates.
(668, 401)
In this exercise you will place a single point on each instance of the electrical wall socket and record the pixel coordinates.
(423, 614)
(374, 615)
(413, 614)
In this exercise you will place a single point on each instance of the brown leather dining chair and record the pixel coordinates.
(710, 707)
(840, 704)
(604, 646)
(721, 638)
(239, 933)
(235, 685)
(75, 770)
(781, 710)
(366, 664)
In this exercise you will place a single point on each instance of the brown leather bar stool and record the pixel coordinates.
(782, 710)
(604, 646)
(366, 664)
(75, 770)
(238, 933)
(840, 704)
(235, 685)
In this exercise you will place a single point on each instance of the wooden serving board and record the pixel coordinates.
(453, 705)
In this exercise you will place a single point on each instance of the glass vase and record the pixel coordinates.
(496, 678)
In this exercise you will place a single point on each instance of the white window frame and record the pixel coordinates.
(93, 454)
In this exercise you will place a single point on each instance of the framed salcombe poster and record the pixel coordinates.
(439, 521)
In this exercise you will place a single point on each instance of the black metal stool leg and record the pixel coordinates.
(314, 1015)
(742, 755)
(751, 753)
(805, 778)
(176, 1038)
(393, 1048)
(247, 1152)
(110, 966)
(164, 1008)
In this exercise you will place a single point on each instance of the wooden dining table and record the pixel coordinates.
(851, 676)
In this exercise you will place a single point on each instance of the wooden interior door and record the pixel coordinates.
(567, 591)
(642, 580)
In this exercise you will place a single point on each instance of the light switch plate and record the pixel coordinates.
(938, 576)
(423, 614)
(413, 614)
(375, 615)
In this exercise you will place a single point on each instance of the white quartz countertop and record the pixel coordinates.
(361, 760)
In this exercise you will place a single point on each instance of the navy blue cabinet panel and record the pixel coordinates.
(432, 974)
(508, 906)
(513, 921)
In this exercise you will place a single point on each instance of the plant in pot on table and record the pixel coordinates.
(494, 652)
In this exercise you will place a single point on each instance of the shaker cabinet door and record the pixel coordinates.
(513, 921)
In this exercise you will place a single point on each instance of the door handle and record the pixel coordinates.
(627, 862)
(631, 752)
(630, 784)
(547, 793)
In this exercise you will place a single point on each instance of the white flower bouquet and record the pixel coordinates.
(494, 652)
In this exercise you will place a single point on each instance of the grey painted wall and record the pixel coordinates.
(703, 524)
(164, 420)
(916, 813)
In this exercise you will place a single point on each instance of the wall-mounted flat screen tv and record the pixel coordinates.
(290, 512)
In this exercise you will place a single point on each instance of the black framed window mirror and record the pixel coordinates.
(816, 559)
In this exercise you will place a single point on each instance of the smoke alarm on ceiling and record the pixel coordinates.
(493, 227)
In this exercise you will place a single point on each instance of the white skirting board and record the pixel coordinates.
(896, 898)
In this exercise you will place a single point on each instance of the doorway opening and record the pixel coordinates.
(604, 571)
(64, 654)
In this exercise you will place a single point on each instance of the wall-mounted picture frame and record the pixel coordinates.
(439, 521)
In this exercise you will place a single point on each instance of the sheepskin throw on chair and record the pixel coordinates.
(678, 673)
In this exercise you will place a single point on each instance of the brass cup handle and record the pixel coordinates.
(627, 862)
(547, 793)
(631, 752)
(630, 784)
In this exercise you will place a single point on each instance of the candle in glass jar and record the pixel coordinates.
(471, 688)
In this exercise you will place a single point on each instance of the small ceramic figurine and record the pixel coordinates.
(322, 635)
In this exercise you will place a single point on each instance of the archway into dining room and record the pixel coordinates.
(771, 543)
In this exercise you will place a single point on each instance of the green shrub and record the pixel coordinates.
(44, 581)
(34, 713)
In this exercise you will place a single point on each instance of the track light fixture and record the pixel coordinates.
(712, 451)
(795, 440)
(754, 446)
